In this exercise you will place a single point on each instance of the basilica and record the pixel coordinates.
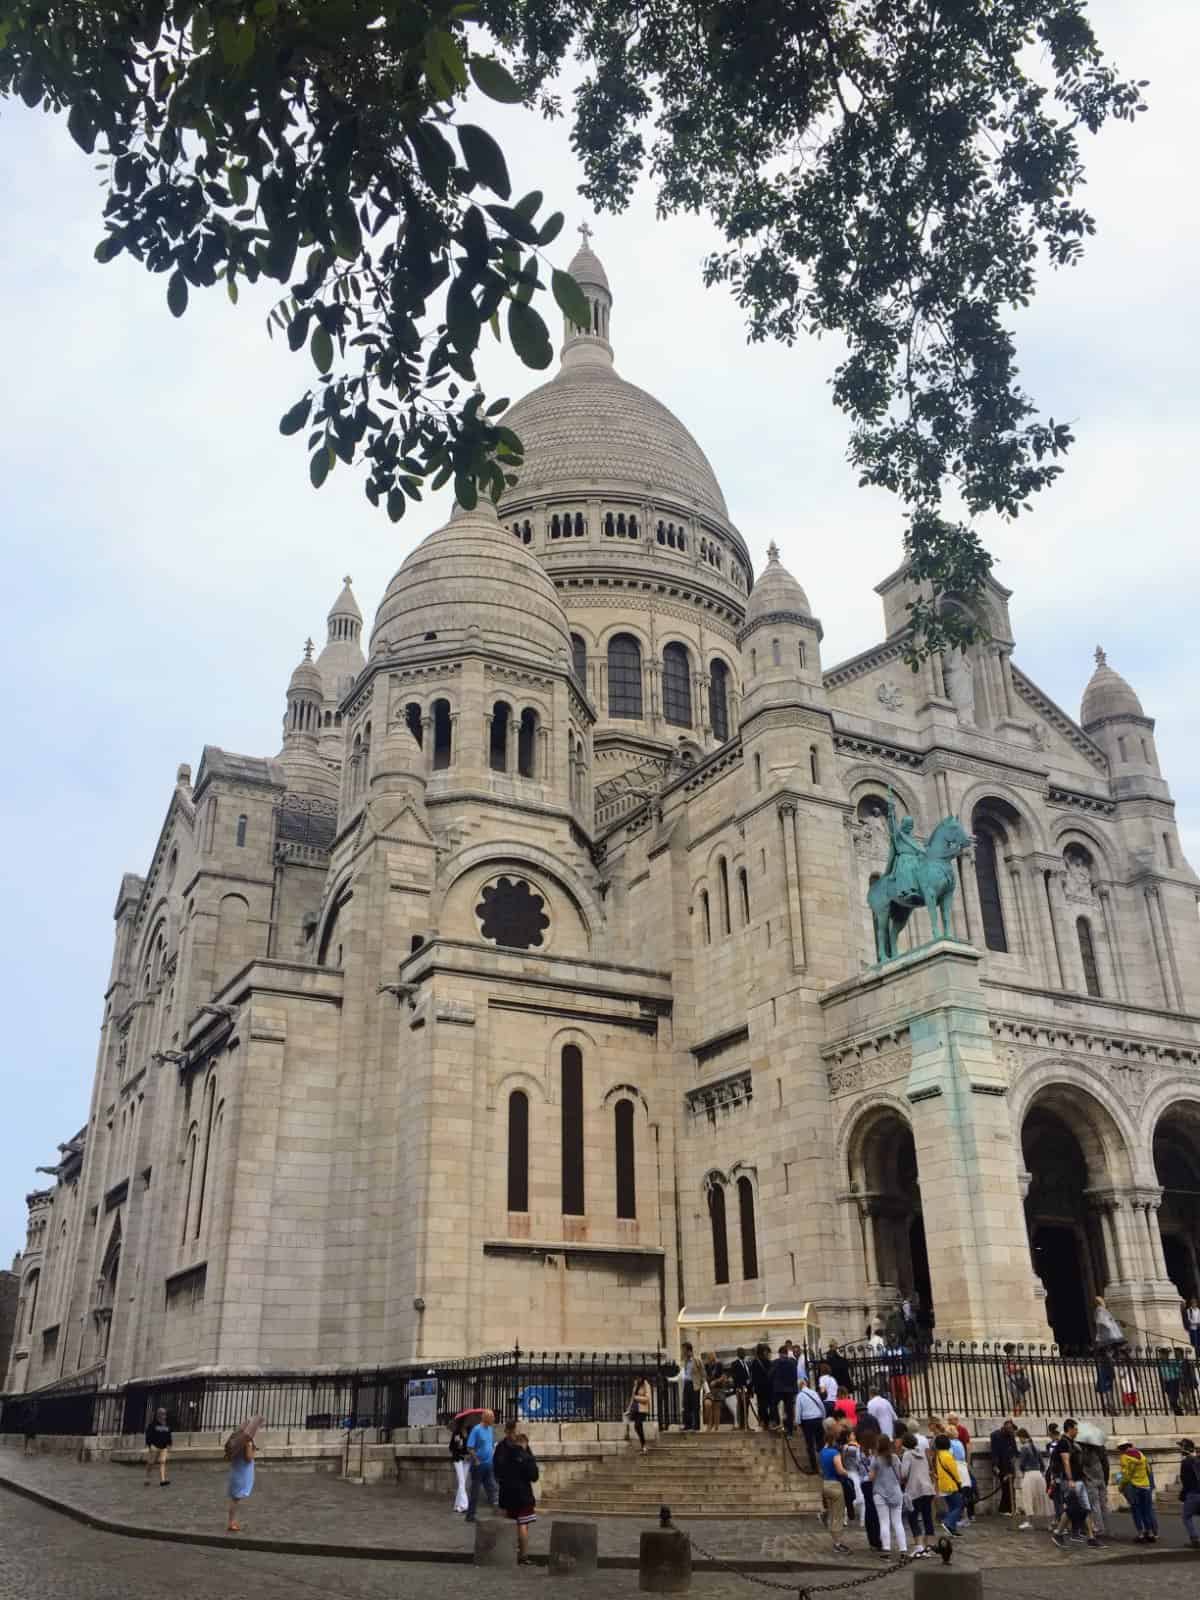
(529, 993)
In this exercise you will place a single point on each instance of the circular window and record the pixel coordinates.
(512, 913)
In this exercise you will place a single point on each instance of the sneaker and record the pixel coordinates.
(1023, 1525)
(885, 1555)
(841, 1549)
(1060, 1540)
(950, 1531)
(1094, 1544)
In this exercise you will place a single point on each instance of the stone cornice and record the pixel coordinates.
(769, 618)
(865, 662)
(897, 755)
(1097, 805)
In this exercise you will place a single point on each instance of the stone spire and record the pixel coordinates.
(589, 346)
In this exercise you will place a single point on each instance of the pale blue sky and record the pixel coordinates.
(165, 556)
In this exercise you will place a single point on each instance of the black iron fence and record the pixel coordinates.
(550, 1386)
(994, 1380)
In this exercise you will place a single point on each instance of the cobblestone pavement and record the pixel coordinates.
(45, 1556)
(322, 1508)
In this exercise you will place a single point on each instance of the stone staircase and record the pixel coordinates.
(727, 1474)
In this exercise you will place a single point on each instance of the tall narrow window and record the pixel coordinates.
(744, 886)
(443, 735)
(776, 657)
(518, 1151)
(579, 659)
(814, 766)
(191, 1178)
(706, 915)
(624, 676)
(210, 1100)
(677, 686)
(626, 1180)
(720, 1239)
(412, 721)
(527, 743)
(572, 1131)
(718, 700)
(758, 772)
(1087, 954)
(1121, 750)
(498, 738)
(987, 877)
(749, 1236)
(723, 875)
(241, 832)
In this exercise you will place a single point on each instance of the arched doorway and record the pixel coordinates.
(1069, 1147)
(1177, 1167)
(884, 1180)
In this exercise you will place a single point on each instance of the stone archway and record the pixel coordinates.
(1075, 1160)
(1177, 1168)
(883, 1175)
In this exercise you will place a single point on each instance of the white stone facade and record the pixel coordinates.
(529, 993)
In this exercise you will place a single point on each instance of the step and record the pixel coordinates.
(680, 1511)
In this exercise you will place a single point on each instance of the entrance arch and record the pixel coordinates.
(1074, 1155)
(882, 1159)
(1177, 1168)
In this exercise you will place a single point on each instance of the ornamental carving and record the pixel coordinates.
(722, 1097)
(893, 1068)
(512, 913)
(889, 695)
(1077, 876)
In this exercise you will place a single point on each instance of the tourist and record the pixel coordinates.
(516, 1471)
(693, 1388)
(882, 1409)
(784, 1384)
(868, 1444)
(1191, 1321)
(239, 1452)
(716, 1385)
(1106, 1378)
(482, 1451)
(833, 1504)
(918, 1489)
(760, 1379)
(1004, 1464)
(1035, 1502)
(889, 1498)
(1189, 1490)
(1136, 1472)
(797, 1354)
(1093, 1457)
(1071, 1497)
(1170, 1372)
(30, 1427)
(846, 1407)
(948, 1483)
(840, 1368)
(1108, 1329)
(739, 1372)
(1016, 1379)
(461, 1461)
(828, 1385)
(639, 1408)
(855, 1469)
(959, 1451)
(158, 1445)
(810, 1414)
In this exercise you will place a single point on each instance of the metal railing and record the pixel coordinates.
(548, 1386)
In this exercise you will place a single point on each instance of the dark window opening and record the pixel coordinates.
(518, 1151)
(527, 735)
(749, 1236)
(1087, 954)
(624, 676)
(626, 1180)
(412, 720)
(720, 1241)
(718, 700)
(579, 659)
(744, 885)
(572, 1131)
(987, 877)
(443, 734)
(723, 874)
(498, 741)
(677, 686)
(706, 912)
(241, 832)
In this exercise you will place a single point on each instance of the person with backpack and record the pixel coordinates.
(1189, 1490)
(918, 1493)
(239, 1452)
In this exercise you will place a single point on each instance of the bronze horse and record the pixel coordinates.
(936, 882)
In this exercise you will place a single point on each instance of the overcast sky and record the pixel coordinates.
(166, 557)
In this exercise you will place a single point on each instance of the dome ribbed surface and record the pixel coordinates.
(345, 605)
(472, 574)
(1108, 695)
(588, 429)
(587, 268)
(774, 592)
(307, 677)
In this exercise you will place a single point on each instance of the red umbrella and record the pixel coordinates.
(471, 1411)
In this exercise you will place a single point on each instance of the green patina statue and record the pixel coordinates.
(917, 874)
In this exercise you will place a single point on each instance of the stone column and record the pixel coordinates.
(1114, 977)
(972, 911)
(1021, 916)
(1069, 958)
(1163, 949)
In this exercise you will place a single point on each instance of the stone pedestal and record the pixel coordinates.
(664, 1562)
(574, 1548)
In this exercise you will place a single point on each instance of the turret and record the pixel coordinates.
(1112, 714)
(586, 346)
(780, 642)
(339, 664)
(300, 757)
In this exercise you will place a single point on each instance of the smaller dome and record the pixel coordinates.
(775, 593)
(345, 605)
(306, 679)
(471, 580)
(1107, 695)
(586, 267)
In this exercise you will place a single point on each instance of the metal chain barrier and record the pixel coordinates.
(803, 1591)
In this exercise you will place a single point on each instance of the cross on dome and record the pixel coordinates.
(1101, 658)
(308, 649)
(585, 233)
(772, 551)
(347, 580)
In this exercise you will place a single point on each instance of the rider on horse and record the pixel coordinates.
(907, 853)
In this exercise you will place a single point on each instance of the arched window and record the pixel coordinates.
(626, 1180)
(776, 655)
(720, 1239)
(660, 534)
(987, 877)
(193, 1138)
(518, 1151)
(498, 738)
(579, 659)
(443, 734)
(758, 772)
(32, 1285)
(205, 1159)
(412, 721)
(677, 686)
(1087, 954)
(706, 914)
(814, 765)
(744, 886)
(527, 734)
(624, 676)
(800, 649)
(682, 540)
(723, 875)
(580, 525)
(718, 699)
(749, 1236)
(610, 526)
(572, 1131)
(241, 832)
(1121, 750)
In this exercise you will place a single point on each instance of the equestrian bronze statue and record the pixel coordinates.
(918, 873)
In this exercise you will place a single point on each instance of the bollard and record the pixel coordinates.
(489, 1551)
(573, 1548)
(665, 1562)
(933, 1581)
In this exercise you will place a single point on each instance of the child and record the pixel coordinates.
(158, 1444)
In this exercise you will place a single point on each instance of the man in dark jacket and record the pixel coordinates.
(785, 1381)
(840, 1368)
(1004, 1463)
(739, 1374)
(760, 1381)
(516, 1472)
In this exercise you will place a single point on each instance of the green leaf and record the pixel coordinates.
(347, 233)
(572, 301)
(485, 159)
(177, 294)
(396, 504)
(495, 81)
(496, 407)
(318, 467)
(236, 40)
(529, 335)
(81, 127)
(551, 230)
(238, 186)
(528, 206)
(465, 491)
(231, 289)
(321, 349)
(107, 248)
(292, 421)
(444, 62)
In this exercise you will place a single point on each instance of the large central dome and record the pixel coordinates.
(589, 429)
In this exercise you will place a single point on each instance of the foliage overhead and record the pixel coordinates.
(890, 171)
